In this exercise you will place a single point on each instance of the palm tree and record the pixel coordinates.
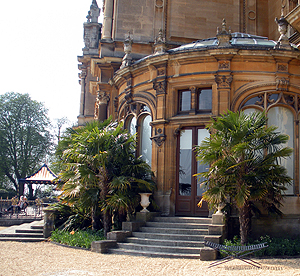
(244, 156)
(100, 172)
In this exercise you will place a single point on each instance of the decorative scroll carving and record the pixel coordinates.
(161, 72)
(270, 101)
(289, 99)
(159, 138)
(282, 84)
(223, 81)
(160, 86)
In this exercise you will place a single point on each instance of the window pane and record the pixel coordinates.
(132, 126)
(202, 134)
(146, 143)
(283, 118)
(185, 163)
(185, 100)
(205, 100)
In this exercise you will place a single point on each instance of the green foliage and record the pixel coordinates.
(276, 246)
(70, 218)
(100, 173)
(78, 238)
(244, 154)
(25, 138)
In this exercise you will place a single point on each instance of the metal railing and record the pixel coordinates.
(34, 209)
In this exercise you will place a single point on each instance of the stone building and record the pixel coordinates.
(160, 67)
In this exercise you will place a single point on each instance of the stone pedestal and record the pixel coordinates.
(48, 222)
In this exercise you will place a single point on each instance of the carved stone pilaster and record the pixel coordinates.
(160, 86)
(223, 81)
(282, 84)
(224, 65)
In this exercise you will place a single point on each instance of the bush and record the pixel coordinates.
(276, 246)
(78, 238)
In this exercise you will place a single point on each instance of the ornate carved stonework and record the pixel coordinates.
(92, 29)
(223, 81)
(282, 67)
(102, 97)
(159, 138)
(282, 84)
(224, 65)
(160, 43)
(160, 86)
(127, 59)
(116, 104)
(161, 71)
(128, 97)
(224, 36)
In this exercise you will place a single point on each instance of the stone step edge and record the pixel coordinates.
(159, 246)
(160, 240)
(153, 254)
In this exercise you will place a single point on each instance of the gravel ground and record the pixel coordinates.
(47, 259)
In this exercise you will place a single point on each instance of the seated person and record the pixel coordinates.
(21, 205)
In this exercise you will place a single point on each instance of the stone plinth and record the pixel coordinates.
(102, 246)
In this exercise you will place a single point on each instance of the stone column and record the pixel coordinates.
(82, 76)
(101, 106)
(107, 20)
(48, 222)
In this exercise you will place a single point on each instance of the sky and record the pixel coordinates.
(39, 45)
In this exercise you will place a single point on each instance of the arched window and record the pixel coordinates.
(146, 143)
(132, 125)
(137, 122)
(283, 118)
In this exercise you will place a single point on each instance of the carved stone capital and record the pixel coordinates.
(223, 81)
(102, 98)
(160, 86)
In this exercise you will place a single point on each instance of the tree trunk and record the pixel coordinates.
(245, 222)
(96, 223)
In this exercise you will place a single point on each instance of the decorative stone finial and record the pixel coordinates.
(160, 43)
(127, 59)
(224, 36)
(283, 41)
(93, 13)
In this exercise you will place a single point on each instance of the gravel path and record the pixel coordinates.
(47, 259)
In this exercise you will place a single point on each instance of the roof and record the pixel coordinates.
(239, 40)
(42, 176)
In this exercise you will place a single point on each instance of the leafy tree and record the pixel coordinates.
(25, 140)
(100, 172)
(244, 156)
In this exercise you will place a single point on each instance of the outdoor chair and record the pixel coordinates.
(236, 252)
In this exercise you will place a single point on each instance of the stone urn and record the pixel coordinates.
(220, 207)
(145, 201)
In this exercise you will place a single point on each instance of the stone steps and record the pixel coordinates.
(27, 232)
(172, 237)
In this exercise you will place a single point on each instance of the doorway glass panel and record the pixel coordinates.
(202, 134)
(185, 163)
